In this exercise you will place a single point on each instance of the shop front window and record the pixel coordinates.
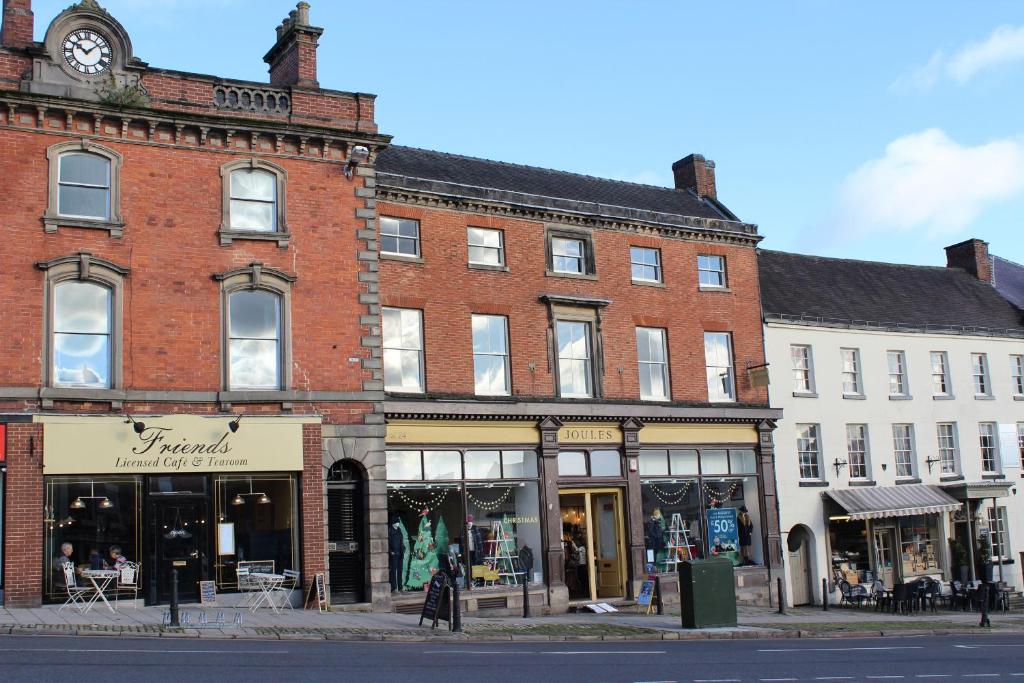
(84, 519)
(257, 521)
(477, 508)
(700, 503)
(919, 544)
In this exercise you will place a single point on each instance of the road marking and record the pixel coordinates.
(980, 675)
(716, 680)
(880, 677)
(842, 649)
(604, 652)
(834, 678)
(767, 680)
(174, 652)
(932, 676)
(973, 647)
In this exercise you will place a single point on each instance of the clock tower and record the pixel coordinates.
(85, 52)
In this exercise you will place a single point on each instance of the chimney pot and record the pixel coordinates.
(696, 173)
(971, 255)
(303, 10)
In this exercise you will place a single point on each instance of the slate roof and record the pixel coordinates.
(1008, 278)
(844, 291)
(476, 177)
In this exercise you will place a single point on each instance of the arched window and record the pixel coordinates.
(84, 189)
(253, 202)
(257, 344)
(83, 322)
(254, 340)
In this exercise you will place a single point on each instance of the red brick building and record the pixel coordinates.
(574, 365)
(190, 303)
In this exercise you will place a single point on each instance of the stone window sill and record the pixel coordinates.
(486, 267)
(571, 276)
(1018, 398)
(813, 484)
(708, 288)
(855, 397)
(984, 398)
(229, 236)
(645, 283)
(951, 477)
(805, 394)
(908, 480)
(52, 223)
(401, 257)
(992, 475)
(904, 397)
(862, 482)
(944, 397)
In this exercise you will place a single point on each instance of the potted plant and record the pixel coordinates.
(983, 558)
(959, 556)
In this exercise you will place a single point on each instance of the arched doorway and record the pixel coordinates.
(346, 532)
(799, 546)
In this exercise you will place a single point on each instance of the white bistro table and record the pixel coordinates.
(100, 580)
(267, 583)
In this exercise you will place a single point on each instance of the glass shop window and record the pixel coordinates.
(257, 519)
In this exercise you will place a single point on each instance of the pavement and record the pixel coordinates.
(627, 624)
(922, 659)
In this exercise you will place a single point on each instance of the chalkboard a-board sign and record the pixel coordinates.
(438, 602)
(208, 592)
(258, 566)
(318, 592)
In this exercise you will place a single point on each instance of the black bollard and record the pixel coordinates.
(658, 603)
(824, 595)
(983, 596)
(526, 599)
(175, 621)
(782, 603)
(456, 624)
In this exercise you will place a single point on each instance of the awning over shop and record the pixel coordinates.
(877, 502)
(977, 490)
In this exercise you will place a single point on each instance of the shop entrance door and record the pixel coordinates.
(885, 547)
(345, 538)
(599, 531)
(180, 541)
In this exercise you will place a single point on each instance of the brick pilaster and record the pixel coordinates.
(23, 537)
(313, 545)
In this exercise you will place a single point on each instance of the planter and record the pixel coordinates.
(963, 573)
(989, 571)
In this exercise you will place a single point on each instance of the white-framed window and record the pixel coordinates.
(803, 369)
(486, 246)
(575, 359)
(490, 355)
(988, 443)
(399, 236)
(652, 356)
(82, 329)
(979, 371)
(897, 373)
(857, 451)
(1017, 374)
(83, 185)
(711, 270)
(254, 340)
(645, 264)
(903, 450)
(1020, 441)
(997, 533)
(940, 374)
(403, 349)
(253, 197)
(949, 452)
(718, 361)
(852, 384)
(568, 255)
(808, 447)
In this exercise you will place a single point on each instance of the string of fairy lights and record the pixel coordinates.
(715, 496)
(435, 499)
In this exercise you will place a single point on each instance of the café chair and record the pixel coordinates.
(246, 586)
(292, 582)
(79, 596)
(128, 583)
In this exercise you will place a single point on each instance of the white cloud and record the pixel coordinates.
(928, 182)
(1004, 46)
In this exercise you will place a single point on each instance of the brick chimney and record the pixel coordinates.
(972, 256)
(696, 173)
(18, 24)
(292, 60)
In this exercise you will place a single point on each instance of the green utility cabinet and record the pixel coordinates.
(707, 593)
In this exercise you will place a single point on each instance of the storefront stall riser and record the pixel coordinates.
(97, 505)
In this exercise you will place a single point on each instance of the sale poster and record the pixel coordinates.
(723, 534)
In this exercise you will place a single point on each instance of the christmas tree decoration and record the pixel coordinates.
(441, 537)
(423, 562)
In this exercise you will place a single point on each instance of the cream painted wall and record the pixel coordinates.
(802, 505)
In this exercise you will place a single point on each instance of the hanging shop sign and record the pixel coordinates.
(170, 444)
(723, 533)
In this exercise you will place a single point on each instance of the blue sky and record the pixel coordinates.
(876, 130)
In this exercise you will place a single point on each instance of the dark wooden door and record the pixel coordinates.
(181, 541)
(346, 541)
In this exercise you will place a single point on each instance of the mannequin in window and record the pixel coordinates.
(745, 528)
(654, 535)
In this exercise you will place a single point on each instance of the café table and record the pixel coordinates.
(100, 580)
(267, 584)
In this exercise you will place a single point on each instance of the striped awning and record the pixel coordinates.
(876, 502)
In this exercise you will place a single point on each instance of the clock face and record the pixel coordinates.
(87, 52)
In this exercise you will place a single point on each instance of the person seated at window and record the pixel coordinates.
(62, 558)
(96, 560)
(117, 560)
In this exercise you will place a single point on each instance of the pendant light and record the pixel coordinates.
(79, 503)
(239, 500)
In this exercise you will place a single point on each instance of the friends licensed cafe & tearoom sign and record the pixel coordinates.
(171, 444)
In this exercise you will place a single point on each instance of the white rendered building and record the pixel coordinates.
(902, 389)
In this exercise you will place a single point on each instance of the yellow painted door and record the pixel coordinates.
(608, 564)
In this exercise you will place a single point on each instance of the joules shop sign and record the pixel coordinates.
(170, 444)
